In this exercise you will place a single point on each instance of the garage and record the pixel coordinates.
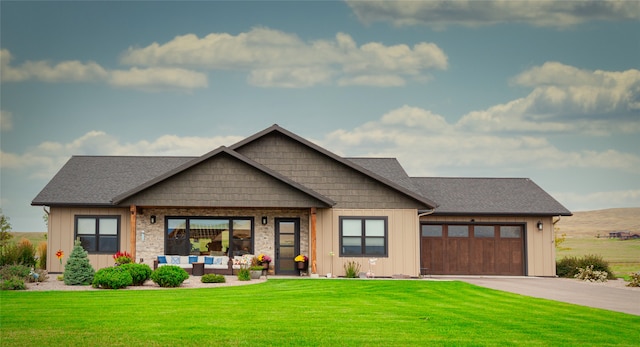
(472, 249)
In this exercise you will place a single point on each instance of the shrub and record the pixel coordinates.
(112, 278)
(590, 275)
(568, 267)
(352, 269)
(139, 272)
(26, 253)
(635, 280)
(13, 283)
(169, 276)
(8, 254)
(11, 271)
(244, 274)
(122, 258)
(37, 275)
(213, 278)
(78, 270)
(42, 255)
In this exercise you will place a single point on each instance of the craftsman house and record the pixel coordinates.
(278, 194)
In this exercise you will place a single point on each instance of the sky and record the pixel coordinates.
(548, 90)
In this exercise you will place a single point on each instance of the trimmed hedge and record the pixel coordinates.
(140, 273)
(213, 278)
(169, 276)
(112, 278)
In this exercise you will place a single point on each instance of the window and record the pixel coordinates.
(458, 231)
(431, 230)
(98, 234)
(363, 236)
(209, 236)
(510, 231)
(484, 231)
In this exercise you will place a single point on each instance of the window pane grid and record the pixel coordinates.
(363, 236)
(99, 234)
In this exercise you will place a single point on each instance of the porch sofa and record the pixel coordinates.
(212, 264)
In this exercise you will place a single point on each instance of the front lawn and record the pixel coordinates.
(306, 312)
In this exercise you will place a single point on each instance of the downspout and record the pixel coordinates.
(559, 217)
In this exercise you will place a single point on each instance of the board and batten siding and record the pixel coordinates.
(403, 242)
(540, 251)
(62, 228)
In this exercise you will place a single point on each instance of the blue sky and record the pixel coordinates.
(546, 90)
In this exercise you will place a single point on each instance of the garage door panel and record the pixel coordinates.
(502, 254)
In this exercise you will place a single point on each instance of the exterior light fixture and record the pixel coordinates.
(539, 225)
(264, 220)
(153, 219)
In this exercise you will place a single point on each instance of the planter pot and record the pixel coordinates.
(301, 265)
(265, 266)
(255, 274)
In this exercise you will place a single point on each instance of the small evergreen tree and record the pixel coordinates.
(78, 270)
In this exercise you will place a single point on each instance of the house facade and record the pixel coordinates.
(278, 194)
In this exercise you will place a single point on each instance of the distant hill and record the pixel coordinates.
(592, 223)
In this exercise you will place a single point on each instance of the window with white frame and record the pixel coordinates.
(363, 236)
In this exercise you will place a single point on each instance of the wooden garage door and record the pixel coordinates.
(462, 249)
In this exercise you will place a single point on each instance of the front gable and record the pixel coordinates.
(221, 179)
(350, 185)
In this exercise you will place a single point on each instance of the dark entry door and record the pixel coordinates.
(287, 245)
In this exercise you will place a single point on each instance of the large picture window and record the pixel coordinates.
(209, 236)
(363, 236)
(98, 234)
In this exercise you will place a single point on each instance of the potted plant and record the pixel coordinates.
(302, 262)
(264, 260)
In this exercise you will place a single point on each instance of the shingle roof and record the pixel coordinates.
(95, 180)
(491, 196)
(388, 168)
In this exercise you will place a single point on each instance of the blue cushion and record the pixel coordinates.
(193, 259)
(175, 260)
(162, 259)
(208, 260)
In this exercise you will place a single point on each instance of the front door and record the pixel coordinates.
(287, 245)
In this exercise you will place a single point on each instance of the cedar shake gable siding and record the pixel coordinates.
(222, 180)
(349, 184)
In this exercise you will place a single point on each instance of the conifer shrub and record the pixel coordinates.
(78, 270)
(169, 276)
(112, 278)
(140, 273)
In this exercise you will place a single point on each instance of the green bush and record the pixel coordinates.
(139, 272)
(37, 275)
(169, 276)
(352, 269)
(112, 278)
(13, 283)
(78, 270)
(8, 254)
(568, 267)
(213, 278)
(10, 271)
(244, 274)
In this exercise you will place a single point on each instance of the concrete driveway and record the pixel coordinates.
(611, 295)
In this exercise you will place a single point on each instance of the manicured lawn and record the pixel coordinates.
(307, 312)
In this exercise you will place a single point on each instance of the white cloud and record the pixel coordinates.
(440, 14)
(6, 121)
(276, 58)
(45, 159)
(594, 200)
(158, 79)
(150, 79)
(566, 99)
(425, 141)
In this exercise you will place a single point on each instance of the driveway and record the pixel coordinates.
(611, 295)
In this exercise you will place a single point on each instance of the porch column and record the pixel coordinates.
(132, 236)
(313, 241)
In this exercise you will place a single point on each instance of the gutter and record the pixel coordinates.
(426, 213)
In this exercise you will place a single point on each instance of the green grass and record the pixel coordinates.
(623, 256)
(307, 313)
